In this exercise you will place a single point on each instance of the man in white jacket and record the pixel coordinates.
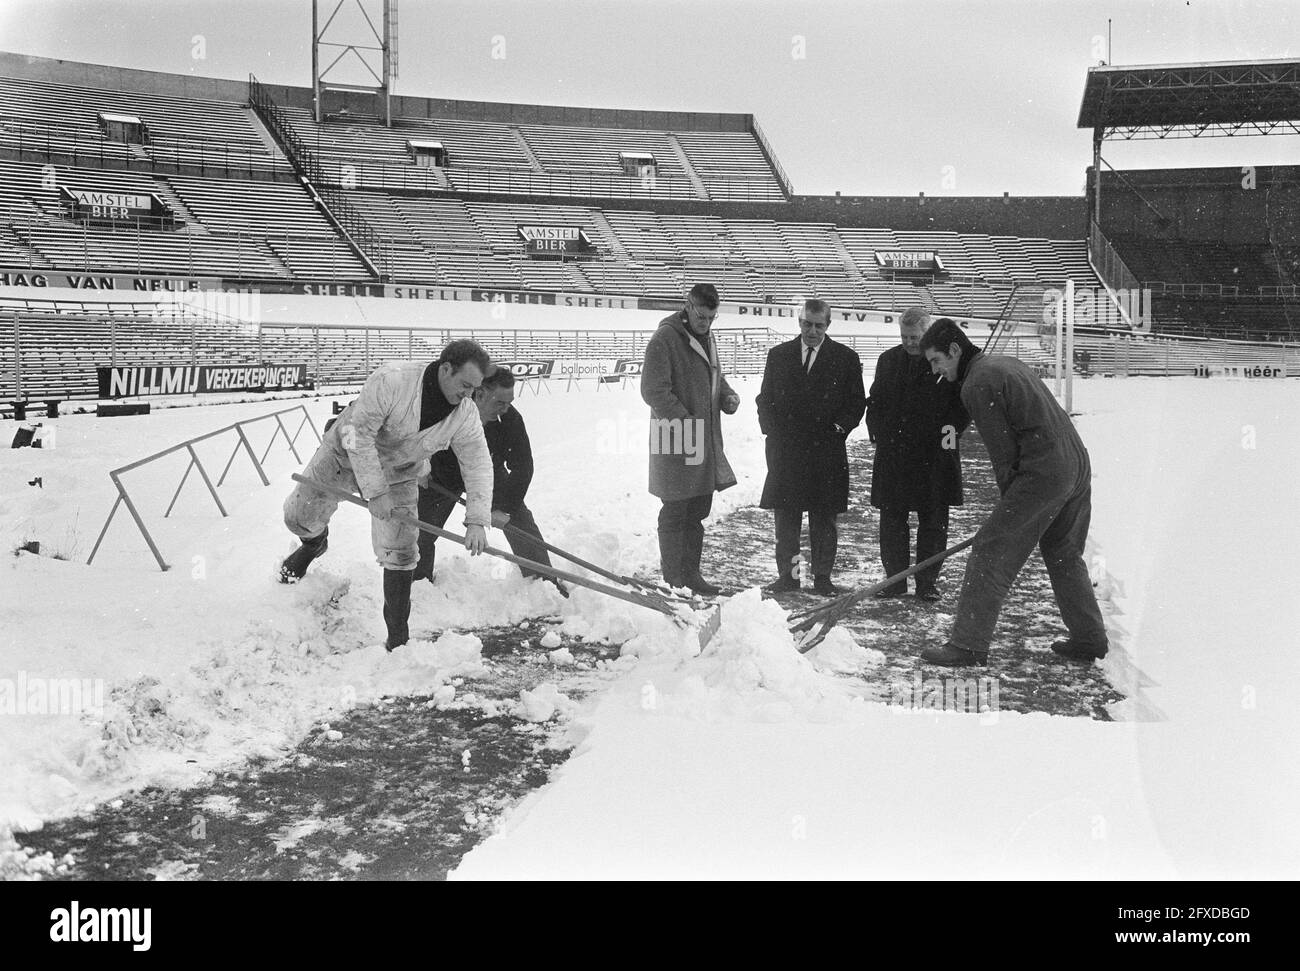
(381, 445)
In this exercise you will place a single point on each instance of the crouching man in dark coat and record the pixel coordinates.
(1045, 479)
(512, 473)
(683, 383)
(916, 425)
(811, 399)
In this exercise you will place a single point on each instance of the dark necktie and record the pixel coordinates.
(807, 359)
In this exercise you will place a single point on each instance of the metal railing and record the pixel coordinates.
(771, 157)
(399, 176)
(231, 255)
(365, 241)
(55, 355)
(75, 146)
(244, 443)
(505, 180)
(1110, 266)
(1225, 291)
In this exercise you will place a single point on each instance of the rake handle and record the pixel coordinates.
(634, 598)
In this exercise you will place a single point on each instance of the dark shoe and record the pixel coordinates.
(563, 590)
(823, 586)
(397, 606)
(1074, 651)
(952, 657)
(670, 558)
(295, 564)
(782, 585)
(703, 587)
(423, 571)
(891, 593)
(929, 594)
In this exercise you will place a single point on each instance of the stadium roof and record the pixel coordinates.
(1190, 100)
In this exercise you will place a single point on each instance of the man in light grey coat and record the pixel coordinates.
(683, 383)
(381, 445)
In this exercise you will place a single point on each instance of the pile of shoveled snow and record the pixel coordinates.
(751, 669)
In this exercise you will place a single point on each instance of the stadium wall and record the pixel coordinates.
(1219, 205)
(407, 106)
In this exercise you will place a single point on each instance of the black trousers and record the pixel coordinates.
(681, 537)
(896, 544)
(823, 537)
(686, 516)
(435, 509)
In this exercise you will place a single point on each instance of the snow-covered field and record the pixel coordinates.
(748, 760)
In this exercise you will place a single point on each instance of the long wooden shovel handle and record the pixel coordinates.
(652, 589)
(811, 617)
(640, 600)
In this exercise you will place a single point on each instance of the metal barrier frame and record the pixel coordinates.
(124, 498)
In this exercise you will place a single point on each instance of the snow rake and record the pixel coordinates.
(647, 600)
(644, 586)
(811, 626)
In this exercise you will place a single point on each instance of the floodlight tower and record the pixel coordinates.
(376, 50)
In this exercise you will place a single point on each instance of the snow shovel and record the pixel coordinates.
(811, 626)
(706, 631)
(649, 588)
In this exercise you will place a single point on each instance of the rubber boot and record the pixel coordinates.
(295, 564)
(670, 557)
(692, 551)
(397, 605)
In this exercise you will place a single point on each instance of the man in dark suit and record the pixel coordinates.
(811, 399)
(916, 426)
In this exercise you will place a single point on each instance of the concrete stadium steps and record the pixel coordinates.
(499, 222)
(539, 159)
(62, 349)
(255, 208)
(260, 228)
(684, 162)
(16, 253)
(225, 226)
(1243, 265)
(361, 143)
(731, 165)
(566, 149)
(94, 249)
(189, 132)
(1240, 317)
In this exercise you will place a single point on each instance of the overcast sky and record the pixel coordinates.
(885, 98)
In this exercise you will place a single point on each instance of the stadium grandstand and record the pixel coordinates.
(122, 180)
(1217, 249)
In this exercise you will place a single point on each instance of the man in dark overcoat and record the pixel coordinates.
(683, 383)
(811, 399)
(916, 425)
